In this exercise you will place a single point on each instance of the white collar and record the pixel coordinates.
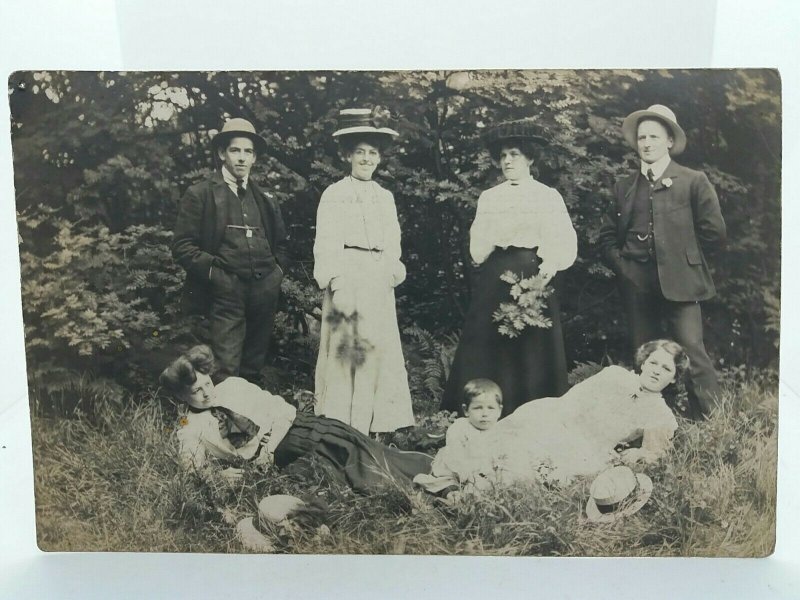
(657, 167)
(231, 180)
(643, 393)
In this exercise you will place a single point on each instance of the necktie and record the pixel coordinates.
(235, 428)
(650, 177)
(240, 191)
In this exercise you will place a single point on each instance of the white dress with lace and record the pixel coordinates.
(360, 377)
(560, 438)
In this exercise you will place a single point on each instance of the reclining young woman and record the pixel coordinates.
(237, 421)
(578, 433)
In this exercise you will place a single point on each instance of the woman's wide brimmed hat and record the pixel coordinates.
(509, 131)
(617, 493)
(238, 128)
(354, 121)
(660, 113)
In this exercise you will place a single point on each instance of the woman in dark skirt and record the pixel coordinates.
(237, 421)
(521, 226)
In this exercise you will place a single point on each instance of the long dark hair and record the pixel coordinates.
(181, 373)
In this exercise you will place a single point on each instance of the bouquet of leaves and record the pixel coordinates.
(529, 296)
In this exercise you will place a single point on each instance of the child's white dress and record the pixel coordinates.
(465, 461)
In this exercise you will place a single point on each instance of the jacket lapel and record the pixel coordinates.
(220, 191)
(626, 206)
(672, 171)
(662, 193)
(264, 208)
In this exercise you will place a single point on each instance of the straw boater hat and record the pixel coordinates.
(508, 131)
(275, 509)
(251, 538)
(662, 114)
(272, 510)
(360, 121)
(238, 128)
(617, 493)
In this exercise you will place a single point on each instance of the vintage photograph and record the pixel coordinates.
(486, 312)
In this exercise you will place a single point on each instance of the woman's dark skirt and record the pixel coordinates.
(349, 456)
(530, 366)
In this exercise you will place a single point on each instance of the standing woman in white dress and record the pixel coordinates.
(360, 378)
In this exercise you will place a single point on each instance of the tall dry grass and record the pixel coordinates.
(113, 483)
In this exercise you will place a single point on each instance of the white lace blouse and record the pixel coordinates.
(199, 435)
(358, 214)
(525, 214)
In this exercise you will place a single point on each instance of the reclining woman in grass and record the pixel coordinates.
(578, 433)
(236, 420)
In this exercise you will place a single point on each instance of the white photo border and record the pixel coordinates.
(304, 34)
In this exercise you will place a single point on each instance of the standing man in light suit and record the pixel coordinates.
(664, 219)
(231, 240)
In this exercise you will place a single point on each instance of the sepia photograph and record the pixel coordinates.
(508, 312)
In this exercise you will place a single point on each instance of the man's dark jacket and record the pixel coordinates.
(202, 218)
(687, 223)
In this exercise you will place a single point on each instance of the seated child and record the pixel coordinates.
(465, 463)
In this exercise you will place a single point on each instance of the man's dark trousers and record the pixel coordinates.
(647, 310)
(241, 319)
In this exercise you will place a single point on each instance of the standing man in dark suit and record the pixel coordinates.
(655, 236)
(231, 240)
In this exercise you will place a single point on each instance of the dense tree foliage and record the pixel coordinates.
(101, 159)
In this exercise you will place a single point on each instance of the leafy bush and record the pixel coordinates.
(297, 329)
(428, 362)
(102, 310)
(96, 302)
(101, 159)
